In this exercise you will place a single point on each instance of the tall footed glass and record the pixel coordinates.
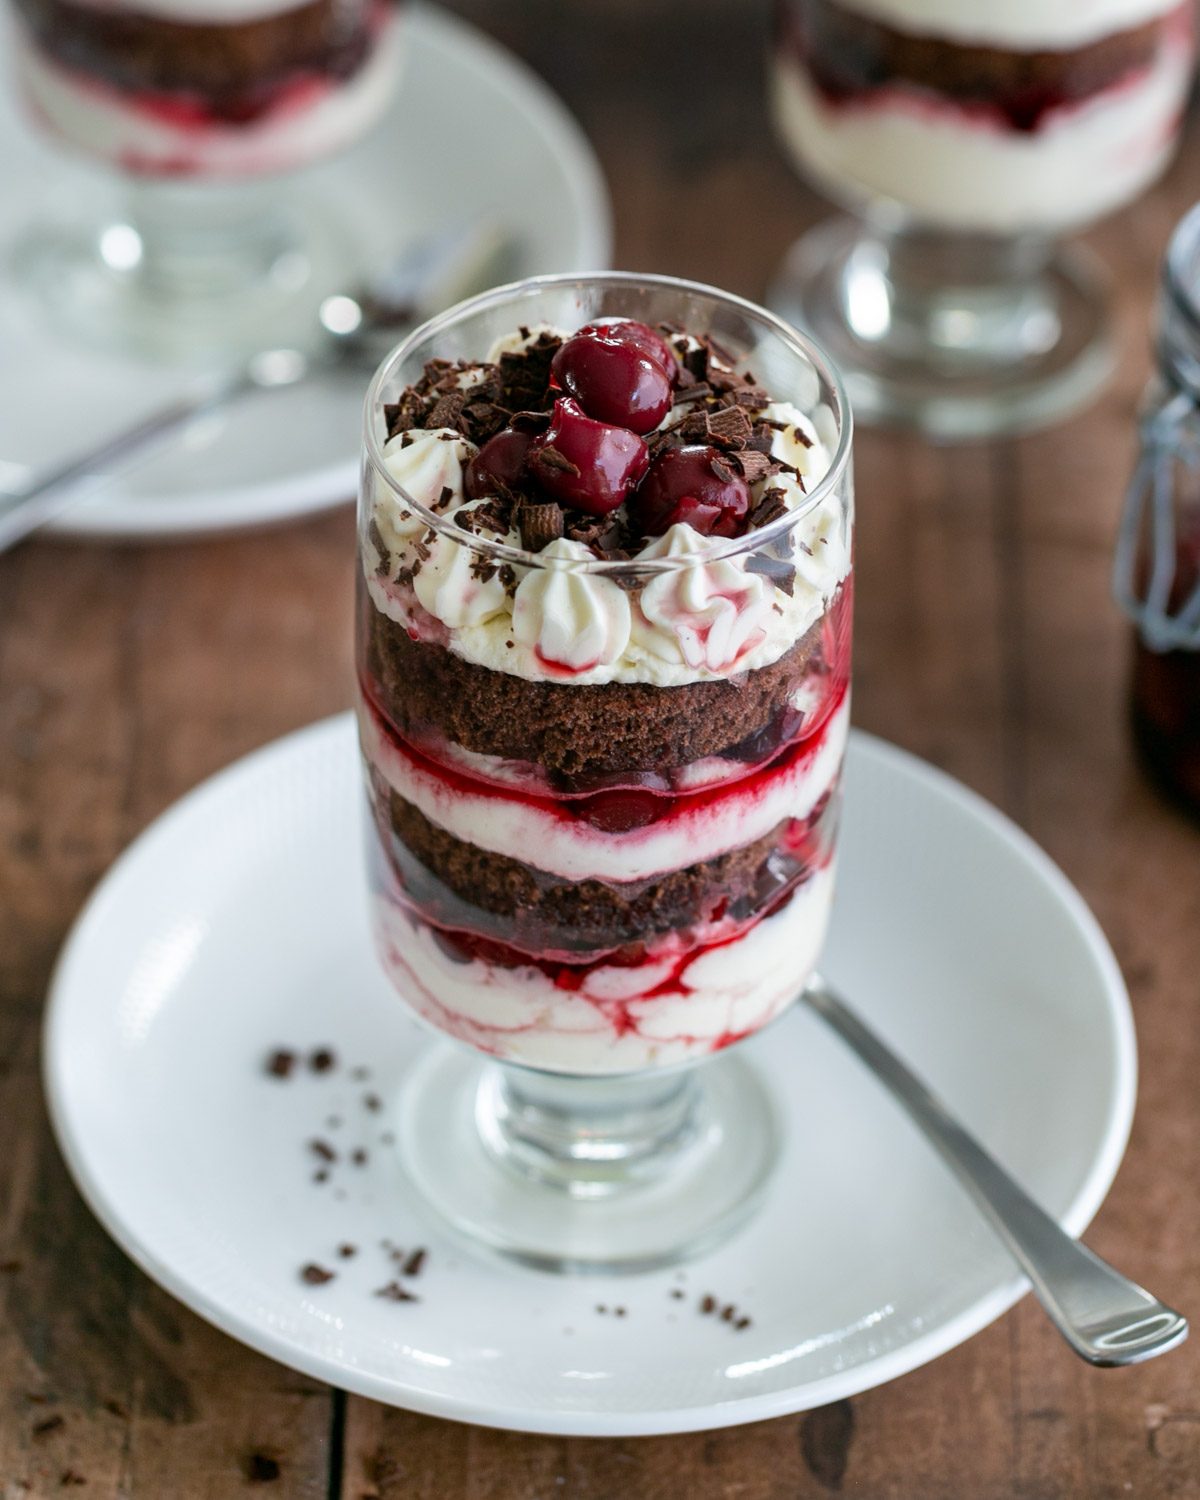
(602, 756)
(199, 242)
(967, 138)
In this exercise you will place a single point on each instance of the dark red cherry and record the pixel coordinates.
(613, 379)
(641, 336)
(584, 463)
(501, 461)
(622, 810)
(695, 485)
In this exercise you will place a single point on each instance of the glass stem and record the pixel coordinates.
(588, 1137)
(188, 244)
(963, 302)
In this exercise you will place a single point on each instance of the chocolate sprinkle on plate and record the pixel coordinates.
(322, 1060)
(708, 1303)
(394, 1292)
(281, 1062)
(414, 1263)
(322, 1149)
(314, 1275)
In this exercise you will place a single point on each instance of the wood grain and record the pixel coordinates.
(985, 640)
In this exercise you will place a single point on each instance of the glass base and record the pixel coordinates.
(187, 273)
(574, 1174)
(959, 338)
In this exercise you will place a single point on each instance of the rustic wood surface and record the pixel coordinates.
(985, 641)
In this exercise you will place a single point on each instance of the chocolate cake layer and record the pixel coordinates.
(581, 734)
(233, 65)
(849, 55)
(461, 885)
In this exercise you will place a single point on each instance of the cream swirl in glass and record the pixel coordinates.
(603, 746)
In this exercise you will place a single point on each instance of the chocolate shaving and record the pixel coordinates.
(550, 458)
(323, 1149)
(314, 1275)
(730, 427)
(414, 1264)
(708, 1303)
(375, 536)
(539, 525)
(446, 411)
(394, 1292)
(722, 470)
(696, 390)
(753, 397)
(772, 505)
(529, 421)
(754, 466)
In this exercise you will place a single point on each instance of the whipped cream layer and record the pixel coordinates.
(563, 621)
(545, 834)
(672, 1008)
(961, 169)
(141, 133)
(1018, 24)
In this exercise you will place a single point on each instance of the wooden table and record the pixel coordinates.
(986, 641)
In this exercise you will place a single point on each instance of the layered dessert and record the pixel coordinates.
(603, 650)
(208, 88)
(987, 116)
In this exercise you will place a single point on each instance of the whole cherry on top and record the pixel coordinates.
(618, 372)
(618, 381)
(695, 485)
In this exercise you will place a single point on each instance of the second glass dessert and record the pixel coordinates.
(967, 136)
(603, 651)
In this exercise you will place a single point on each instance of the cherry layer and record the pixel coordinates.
(613, 379)
(597, 465)
(617, 810)
(465, 932)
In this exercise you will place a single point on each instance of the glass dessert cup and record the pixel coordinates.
(603, 796)
(966, 139)
(199, 112)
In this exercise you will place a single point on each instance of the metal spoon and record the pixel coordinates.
(353, 328)
(1106, 1318)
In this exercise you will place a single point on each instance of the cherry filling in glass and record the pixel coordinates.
(604, 632)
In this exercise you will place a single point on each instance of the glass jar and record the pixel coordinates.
(1157, 574)
(603, 785)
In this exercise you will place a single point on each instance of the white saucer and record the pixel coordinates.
(506, 150)
(237, 923)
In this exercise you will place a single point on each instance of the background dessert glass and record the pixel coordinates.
(198, 106)
(967, 136)
(596, 884)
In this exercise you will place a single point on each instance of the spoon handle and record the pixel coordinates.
(1106, 1318)
(55, 492)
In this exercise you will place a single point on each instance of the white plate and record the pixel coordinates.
(505, 148)
(237, 923)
